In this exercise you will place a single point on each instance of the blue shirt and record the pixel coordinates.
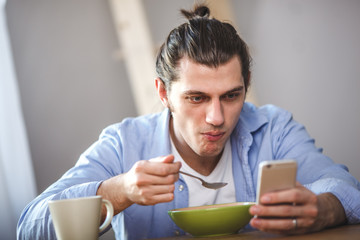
(265, 133)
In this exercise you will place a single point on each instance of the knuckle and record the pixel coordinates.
(139, 180)
(290, 225)
(144, 202)
(172, 178)
(313, 211)
(288, 210)
(141, 192)
(311, 222)
(313, 198)
(296, 195)
(265, 226)
(139, 166)
(308, 222)
(141, 200)
(144, 197)
(177, 165)
(163, 171)
(172, 188)
(146, 193)
(170, 197)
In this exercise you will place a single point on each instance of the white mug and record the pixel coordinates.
(79, 218)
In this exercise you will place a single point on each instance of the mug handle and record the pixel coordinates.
(109, 214)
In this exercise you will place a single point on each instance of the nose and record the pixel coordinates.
(214, 114)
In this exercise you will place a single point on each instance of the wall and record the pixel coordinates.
(306, 60)
(71, 84)
(70, 81)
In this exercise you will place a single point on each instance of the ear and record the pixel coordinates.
(161, 90)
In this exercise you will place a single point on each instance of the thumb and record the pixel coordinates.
(165, 159)
(168, 159)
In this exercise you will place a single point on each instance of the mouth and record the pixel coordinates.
(213, 136)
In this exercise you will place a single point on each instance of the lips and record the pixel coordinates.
(213, 136)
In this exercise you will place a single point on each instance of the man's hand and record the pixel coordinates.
(148, 182)
(277, 211)
(151, 182)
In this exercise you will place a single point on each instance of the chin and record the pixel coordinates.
(211, 152)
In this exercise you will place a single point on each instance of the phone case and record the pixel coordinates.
(275, 175)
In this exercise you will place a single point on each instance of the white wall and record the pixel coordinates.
(307, 60)
(71, 84)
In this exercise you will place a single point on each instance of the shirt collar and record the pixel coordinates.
(251, 119)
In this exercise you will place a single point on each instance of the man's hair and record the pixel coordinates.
(204, 40)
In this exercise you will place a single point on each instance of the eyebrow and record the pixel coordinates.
(237, 89)
(194, 92)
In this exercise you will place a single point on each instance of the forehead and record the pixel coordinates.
(195, 76)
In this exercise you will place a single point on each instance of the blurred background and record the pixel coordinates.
(81, 65)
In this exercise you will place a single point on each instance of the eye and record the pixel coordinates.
(196, 99)
(231, 96)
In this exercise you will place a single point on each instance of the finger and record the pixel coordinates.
(142, 179)
(154, 167)
(297, 195)
(277, 225)
(277, 211)
(168, 159)
(164, 159)
(153, 190)
(160, 198)
(170, 166)
(155, 194)
(164, 169)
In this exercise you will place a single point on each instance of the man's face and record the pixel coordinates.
(205, 103)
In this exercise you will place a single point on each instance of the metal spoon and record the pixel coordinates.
(215, 185)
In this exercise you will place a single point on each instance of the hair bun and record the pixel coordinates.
(199, 11)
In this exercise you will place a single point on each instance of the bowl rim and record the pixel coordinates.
(212, 207)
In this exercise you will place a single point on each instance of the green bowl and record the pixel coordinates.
(212, 220)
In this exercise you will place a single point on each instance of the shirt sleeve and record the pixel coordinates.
(316, 171)
(99, 162)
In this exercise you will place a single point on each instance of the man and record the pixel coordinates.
(209, 130)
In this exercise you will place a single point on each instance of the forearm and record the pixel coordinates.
(35, 223)
(331, 212)
(112, 190)
(35, 220)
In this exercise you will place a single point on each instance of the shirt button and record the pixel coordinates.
(181, 187)
(177, 233)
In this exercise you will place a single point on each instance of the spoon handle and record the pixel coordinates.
(191, 175)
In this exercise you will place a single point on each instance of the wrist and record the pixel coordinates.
(113, 190)
(331, 211)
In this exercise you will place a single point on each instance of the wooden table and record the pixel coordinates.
(344, 232)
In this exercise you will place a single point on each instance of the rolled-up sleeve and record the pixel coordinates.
(317, 171)
(98, 163)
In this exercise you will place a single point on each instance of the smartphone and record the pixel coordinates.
(275, 175)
